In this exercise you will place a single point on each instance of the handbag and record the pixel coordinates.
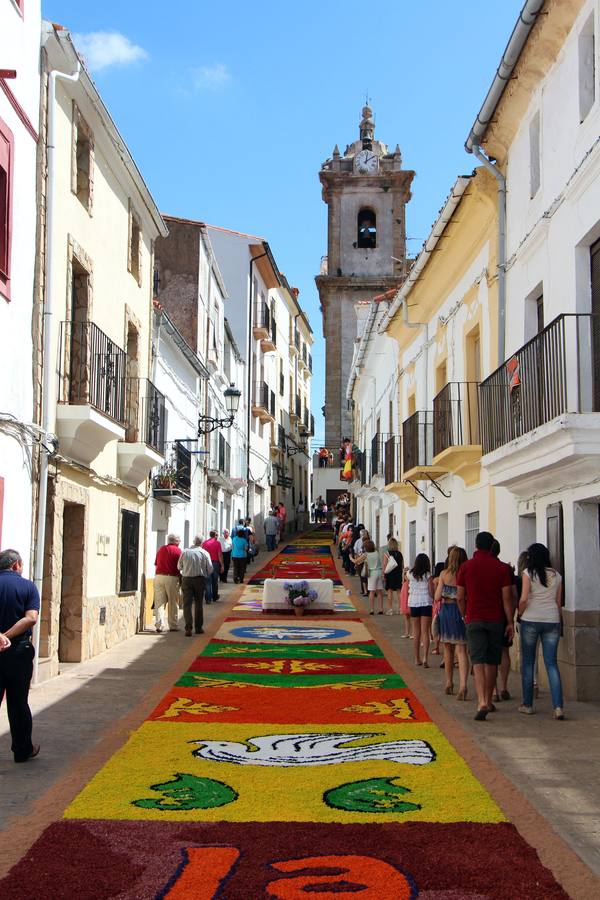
(390, 565)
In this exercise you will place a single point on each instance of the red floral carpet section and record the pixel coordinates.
(180, 861)
(310, 561)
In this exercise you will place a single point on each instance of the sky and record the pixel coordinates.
(229, 109)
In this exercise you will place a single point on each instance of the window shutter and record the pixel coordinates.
(130, 538)
(6, 146)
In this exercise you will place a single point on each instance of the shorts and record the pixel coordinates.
(485, 640)
(418, 611)
(375, 583)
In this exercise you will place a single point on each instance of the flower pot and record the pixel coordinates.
(299, 610)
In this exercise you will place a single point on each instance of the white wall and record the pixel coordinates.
(20, 50)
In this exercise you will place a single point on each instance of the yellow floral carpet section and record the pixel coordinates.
(439, 787)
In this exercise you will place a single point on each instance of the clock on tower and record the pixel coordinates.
(366, 191)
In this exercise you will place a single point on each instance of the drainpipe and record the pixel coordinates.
(38, 572)
(480, 155)
(249, 379)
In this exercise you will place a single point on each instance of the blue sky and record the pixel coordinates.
(230, 108)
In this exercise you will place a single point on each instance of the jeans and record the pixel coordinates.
(271, 541)
(549, 634)
(226, 564)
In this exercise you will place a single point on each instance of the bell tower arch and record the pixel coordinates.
(366, 191)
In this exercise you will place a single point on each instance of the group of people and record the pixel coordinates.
(194, 574)
(274, 524)
(468, 606)
(325, 458)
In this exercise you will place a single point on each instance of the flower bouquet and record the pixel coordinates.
(299, 595)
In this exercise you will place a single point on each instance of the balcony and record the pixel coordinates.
(269, 343)
(361, 473)
(303, 359)
(377, 460)
(456, 437)
(277, 440)
(392, 471)
(296, 409)
(417, 448)
(219, 465)
(294, 342)
(261, 323)
(91, 401)
(172, 482)
(312, 425)
(143, 447)
(540, 411)
(263, 404)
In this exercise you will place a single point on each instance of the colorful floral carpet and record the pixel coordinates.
(290, 762)
(308, 558)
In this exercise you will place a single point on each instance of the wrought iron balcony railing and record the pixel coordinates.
(417, 440)
(392, 465)
(173, 480)
(92, 369)
(456, 416)
(556, 372)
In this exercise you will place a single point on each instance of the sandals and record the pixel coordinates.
(505, 695)
(462, 695)
(481, 714)
(425, 665)
(449, 689)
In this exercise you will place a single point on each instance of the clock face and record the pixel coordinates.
(367, 162)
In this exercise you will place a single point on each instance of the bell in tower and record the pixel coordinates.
(366, 191)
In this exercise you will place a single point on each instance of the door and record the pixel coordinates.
(595, 287)
(70, 636)
(555, 540)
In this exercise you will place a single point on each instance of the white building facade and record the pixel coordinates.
(19, 138)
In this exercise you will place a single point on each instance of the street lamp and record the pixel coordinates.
(206, 424)
(301, 447)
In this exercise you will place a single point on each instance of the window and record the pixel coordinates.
(587, 68)
(367, 229)
(6, 161)
(134, 253)
(82, 152)
(471, 532)
(534, 155)
(130, 538)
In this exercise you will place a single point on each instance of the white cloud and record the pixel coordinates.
(102, 49)
(211, 78)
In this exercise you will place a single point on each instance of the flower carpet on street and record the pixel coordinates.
(290, 761)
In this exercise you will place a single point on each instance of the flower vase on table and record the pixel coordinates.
(299, 595)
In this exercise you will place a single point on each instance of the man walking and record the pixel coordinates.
(215, 551)
(195, 567)
(271, 530)
(19, 609)
(484, 588)
(166, 584)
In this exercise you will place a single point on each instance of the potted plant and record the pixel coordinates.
(299, 595)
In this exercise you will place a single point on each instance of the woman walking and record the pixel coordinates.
(370, 557)
(540, 609)
(420, 605)
(239, 555)
(393, 579)
(452, 630)
(404, 607)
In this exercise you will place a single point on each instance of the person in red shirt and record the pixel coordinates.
(484, 596)
(215, 551)
(166, 584)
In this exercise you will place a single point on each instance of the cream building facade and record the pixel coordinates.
(93, 325)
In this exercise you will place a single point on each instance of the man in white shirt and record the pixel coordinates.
(195, 566)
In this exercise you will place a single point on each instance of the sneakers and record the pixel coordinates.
(558, 713)
(158, 628)
(526, 710)
(390, 612)
(188, 632)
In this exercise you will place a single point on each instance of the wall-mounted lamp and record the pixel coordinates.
(206, 424)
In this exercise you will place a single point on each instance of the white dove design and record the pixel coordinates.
(316, 749)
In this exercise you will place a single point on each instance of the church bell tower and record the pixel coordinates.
(366, 191)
